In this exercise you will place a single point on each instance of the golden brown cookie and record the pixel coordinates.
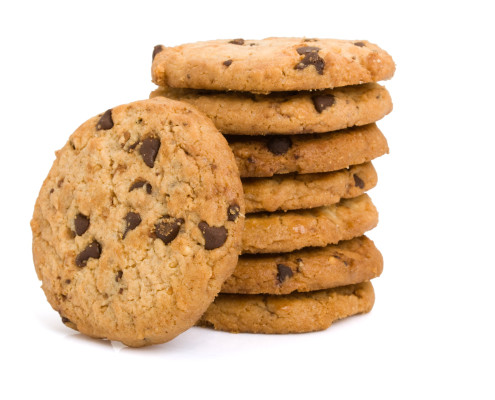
(285, 113)
(314, 268)
(300, 191)
(292, 230)
(264, 156)
(272, 64)
(292, 313)
(139, 222)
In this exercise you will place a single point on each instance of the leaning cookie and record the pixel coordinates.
(138, 223)
(293, 313)
(301, 191)
(285, 113)
(265, 156)
(292, 230)
(272, 64)
(313, 268)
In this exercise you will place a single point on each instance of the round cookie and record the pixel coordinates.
(139, 222)
(300, 191)
(272, 64)
(292, 230)
(265, 156)
(285, 113)
(292, 313)
(316, 268)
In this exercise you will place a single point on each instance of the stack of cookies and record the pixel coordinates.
(299, 115)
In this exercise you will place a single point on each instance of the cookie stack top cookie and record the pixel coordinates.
(272, 64)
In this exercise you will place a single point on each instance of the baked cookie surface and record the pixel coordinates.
(265, 156)
(292, 230)
(348, 262)
(300, 191)
(271, 64)
(244, 113)
(138, 223)
(292, 313)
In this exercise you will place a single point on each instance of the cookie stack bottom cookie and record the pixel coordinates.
(299, 115)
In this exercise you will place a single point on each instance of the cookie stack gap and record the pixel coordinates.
(299, 115)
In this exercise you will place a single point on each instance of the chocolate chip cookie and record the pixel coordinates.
(265, 156)
(139, 222)
(285, 113)
(292, 313)
(292, 230)
(314, 268)
(299, 191)
(272, 64)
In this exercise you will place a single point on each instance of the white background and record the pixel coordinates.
(431, 333)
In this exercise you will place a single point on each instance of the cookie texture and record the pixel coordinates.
(265, 156)
(300, 191)
(285, 113)
(272, 64)
(292, 230)
(292, 313)
(138, 223)
(315, 268)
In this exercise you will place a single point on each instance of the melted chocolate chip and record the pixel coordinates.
(311, 57)
(168, 229)
(139, 184)
(227, 63)
(118, 277)
(358, 182)
(105, 122)
(81, 223)
(284, 272)
(149, 150)
(323, 101)
(93, 250)
(157, 49)
(132, 220)
(233, 212)
(279, 144)
(240, 42)
(214, 236)
(359, 44)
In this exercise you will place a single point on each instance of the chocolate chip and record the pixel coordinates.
(358, 181)
(105, 122)
(168, 229)
(67, 281)
(139, 184)
(214, 236)
(81, 223)
(311, 57)
(65, 320)
(227, 63)
(233, 212)
(149, 150)
(118, 277)
(121, 290)
(240, 42)
(284, 272)
(279, 144)
(93, 250)
(307, 50)
(132, 220)
(60, 183)
(359, 44)
(157, 49)
(323, 101)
